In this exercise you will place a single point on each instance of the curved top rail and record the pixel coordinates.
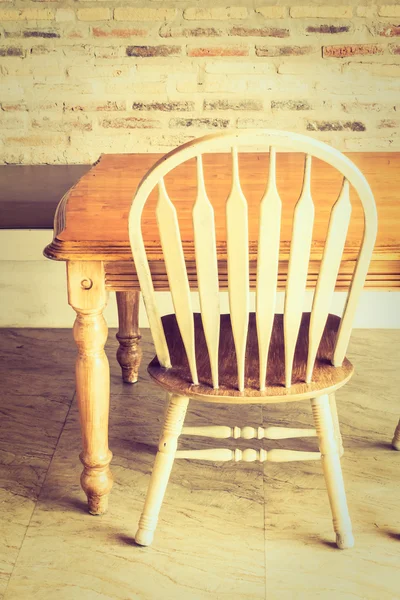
(218, 142)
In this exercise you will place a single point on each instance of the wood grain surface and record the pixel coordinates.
(93, 220)
(326, 378)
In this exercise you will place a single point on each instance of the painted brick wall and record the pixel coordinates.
(78, 78)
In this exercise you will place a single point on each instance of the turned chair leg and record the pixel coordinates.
(173, 422)
(336, 424)
(396, 438)
(332, 471)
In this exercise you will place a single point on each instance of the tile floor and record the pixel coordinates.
(237, 531)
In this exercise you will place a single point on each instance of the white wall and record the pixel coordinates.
(33, 290)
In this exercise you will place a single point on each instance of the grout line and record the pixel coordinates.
(39, 494)
(264, 465)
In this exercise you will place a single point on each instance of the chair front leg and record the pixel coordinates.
(332, 471)
(396, 437)
(172, 428)
(336, 424)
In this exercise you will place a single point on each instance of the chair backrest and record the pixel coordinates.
(238, 253)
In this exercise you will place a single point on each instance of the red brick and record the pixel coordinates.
(180, 106)
(259, 32)
(291, 105)
(346, 50)
(335, 126)
(150, 51)
(130, 123)
(328, 29)
(388, 30)
(50, 124)
(41, 34)
(203, 123)
(89, 106)
(12, 51)
(118, 33)
(13, 107)
(388, 124)
(168, 32)
(283, 50)
(232, 105)
(218, 51)
(355, 107)
(73, 35)
(42, 49)
(32, 34)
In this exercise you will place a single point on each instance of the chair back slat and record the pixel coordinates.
(303, 221)
(334, 246)
(207, 270)
(356, 287)
(171, 243)
(148, 294)
(267, 265)
(237, 241)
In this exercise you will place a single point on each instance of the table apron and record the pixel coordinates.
(382, 275)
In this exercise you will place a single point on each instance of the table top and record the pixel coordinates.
(92, 219)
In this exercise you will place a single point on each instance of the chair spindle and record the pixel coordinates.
(207, 269)
(334, 245)
(237, 239)
(171, 243)
(267, 265)
(303, 220)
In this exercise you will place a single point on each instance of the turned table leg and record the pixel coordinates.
(129, 353)
(87, 296)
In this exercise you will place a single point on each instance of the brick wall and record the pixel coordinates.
(83, 77)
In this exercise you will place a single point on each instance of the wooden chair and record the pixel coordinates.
(279, 358)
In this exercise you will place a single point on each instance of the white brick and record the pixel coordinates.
(321, 12)
(217, 13)
(143, 14)
(224, 83)
(8, 120)
(26, 14)
(64, 15)
(224, 67)
(92, 72)
(389, 10)
(37, 139)
(366, 11)
(272, 12)
(94, 14)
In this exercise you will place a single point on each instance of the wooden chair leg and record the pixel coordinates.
(173, 422)
(332, 471)
(336, 424)
(396, 437)
(129, 353)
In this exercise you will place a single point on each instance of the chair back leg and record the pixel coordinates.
(332, 471)
(173, 422)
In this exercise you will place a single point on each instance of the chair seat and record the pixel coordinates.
(326, 378)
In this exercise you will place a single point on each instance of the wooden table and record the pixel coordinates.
(91, 235)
